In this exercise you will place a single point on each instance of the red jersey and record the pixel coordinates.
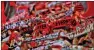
(12, 37)
(4, 46)
(33, 44)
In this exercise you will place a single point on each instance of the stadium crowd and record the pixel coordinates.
(44, 26)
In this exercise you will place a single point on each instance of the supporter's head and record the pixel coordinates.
(75, 41)
(61, 38)
(67, 5)
(79, 9)
(16, 32)
(24, 46)
(52, 8)
(61, 14)
(29, 24)
(58, 7)
(10, 31)
(63, 4)
(66, 8)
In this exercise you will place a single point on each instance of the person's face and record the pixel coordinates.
(82, 12)
(9, 32)
(66, 8)
(61, 39)
(29, 24)
(77, 13)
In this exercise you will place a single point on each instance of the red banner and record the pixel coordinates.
(90, 10)
(12, 3)
(3, 17)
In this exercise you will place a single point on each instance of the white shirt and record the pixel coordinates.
(17, 48)
(52, 3)
(62, 34)
(59, 42)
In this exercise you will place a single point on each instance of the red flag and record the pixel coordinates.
(12, 3)
(89, 11)
(3, 17)
(23, 7)
(40, 6)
